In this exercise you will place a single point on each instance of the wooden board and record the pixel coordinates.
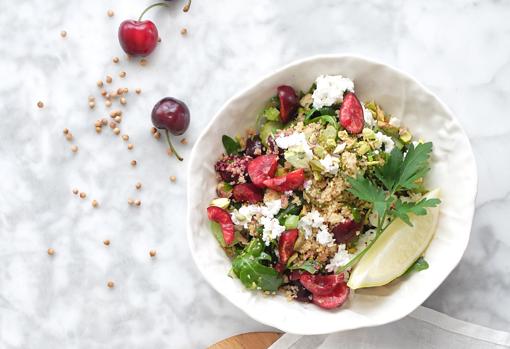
(252, 340)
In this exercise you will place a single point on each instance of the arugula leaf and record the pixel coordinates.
(402, 209)
(253, 274)
(231, 146)
(365, 190)
(291, 210)
(309, 266)
(271, 114)
(419, 265)
(401, 172)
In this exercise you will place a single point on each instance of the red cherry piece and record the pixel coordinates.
(351, 114)
(321, 285)
(286, 246)
(262, 168)
(138, 38)
(222, 217)
(296, 274)
(247, 192)
(333, 300)
(289, 103)
(289, 181)
(171, 114)
(346, 231)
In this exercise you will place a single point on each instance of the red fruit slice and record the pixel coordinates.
(296, 274)
(222, 217)
(345, 231)
(262, 168)
(247, 192)
(289, 102)
(286, 247)
(351, 114)
(333, 300)
(321, 285)
(290, 181)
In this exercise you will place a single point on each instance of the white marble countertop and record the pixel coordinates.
(459, 49)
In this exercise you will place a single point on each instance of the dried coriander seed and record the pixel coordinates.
(115, 59)
(125, 137)
(40, 104)
(110, 284)
(51, 251)
(110, 13)
(152, 253)
(138, 185)
(83, 195)
(74, 148)
(95, 203)
(106, 242)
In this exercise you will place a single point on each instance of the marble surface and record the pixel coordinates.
(458, 49)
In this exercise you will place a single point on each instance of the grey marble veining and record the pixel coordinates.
(460, 49)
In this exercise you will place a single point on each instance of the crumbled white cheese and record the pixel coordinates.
(272, 229)
(386, 140)
(324, 237)
(296, 141)
(244, 215)
(394, 121)
(341, 258)
(368, 117)
(364, 240)
(330, 90)
(310, 220)
(330, 164)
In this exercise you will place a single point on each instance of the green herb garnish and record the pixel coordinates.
(231, 146)
(419, 265)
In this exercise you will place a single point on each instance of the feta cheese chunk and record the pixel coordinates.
(368, 117)
(386, 140)
(309, 221)
(330, 164)
(341, 258)
(324, 237)
(272, 229)
(245, 214)
(330, 90)
(296, 141)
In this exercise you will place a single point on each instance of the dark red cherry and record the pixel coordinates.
(289, 102)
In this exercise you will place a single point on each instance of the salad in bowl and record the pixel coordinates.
(325, 195)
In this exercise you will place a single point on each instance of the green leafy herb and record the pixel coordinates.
(402, 209)
(232, 147)
(249, 267)
(309, 266)
(324, 115)
(419, 265)
(290, 210)
(271, 114)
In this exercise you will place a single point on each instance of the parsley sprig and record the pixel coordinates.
(400, 172)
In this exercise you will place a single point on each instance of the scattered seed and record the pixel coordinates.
(154, 130)
(138, 202)
(138, 185)
(110, 13)
(173, 178)
(113, 125)
(115, 113)
(138, 90)
(143, 62)
(130, 146)
(97, 123)
(184, 31)
(74, 148)
(108, 104)
(125, 90)
(152, 253)
(109, 79)
(110, 284)
(83, 195)
(40, 104)
(133, 162)
(92, 98)
(98, 129)
(120, 91)
(66, 131)
(51, 251)
(103, 91)
(116, 130)
(123, 101)
(184, 141)
(63, 33)
(130, 201)
(122, 74)
(187, 6)
(125, 137)
(104, 122)
(118, 119)
(95, 203)
(69, 136)
(92, 104)
(115, 59)
(75, 191)
(157, 135)
(106, 242)
(99, 83)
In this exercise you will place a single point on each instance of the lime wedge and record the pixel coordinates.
(396, 249)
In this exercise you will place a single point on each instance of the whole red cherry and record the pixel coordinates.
(139, 38)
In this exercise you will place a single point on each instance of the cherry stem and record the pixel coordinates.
(151, 6)
(187, 6)
(172, 146)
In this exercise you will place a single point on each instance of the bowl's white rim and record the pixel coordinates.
(395, 316)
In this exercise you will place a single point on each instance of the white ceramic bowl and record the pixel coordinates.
(453, 170)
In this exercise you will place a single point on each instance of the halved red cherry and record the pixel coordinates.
(262, 168)
(286, 248)
(289, 181)
(345, 231)
(247, 192)
(222, 217)
(289, 103)
(351, 114)
(333, 300)
(321, 285)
